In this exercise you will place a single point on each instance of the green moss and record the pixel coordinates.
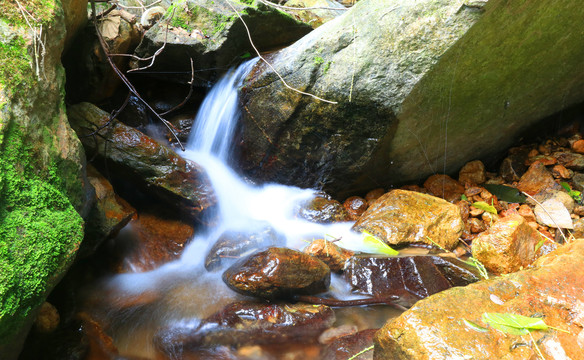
(41, 10)
(318, 60)
(15, 66)
(39, 230)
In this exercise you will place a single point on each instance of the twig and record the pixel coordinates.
(362, 352)
(190, 91)
(302, 8)
(104, 13)
(344, 303)
(270, 65)
(140, 7)
(38, 45)
(112, 116)
(127, 82)
(153, 57)
(548, 214)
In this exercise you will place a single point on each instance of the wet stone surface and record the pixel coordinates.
(278, 273)
(408, 278)
(247, 323)
(347, 346)
(323, 210)
(231, 245)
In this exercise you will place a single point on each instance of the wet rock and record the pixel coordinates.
(47, 319)
(247, 323)
(507, 246)
(334, 333)
(209, 33)
(332, 255)
(355, 206)
(473, 173)
(178, 182)
(402, 216)
(536, 179)
(315, 17)
(477, 225)
(348, 346)
(323, 210)
(408, 278)
(231, 245)
(552, 290)
(546, 160)
(278, 272)
(570, 160)
(464, 208)
(527, 213)
(445, 187)
(553, 213)
(151, 241)
(373, 195)
(109, 214)
(578, 181)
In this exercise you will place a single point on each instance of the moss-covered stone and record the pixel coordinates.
(42, 192)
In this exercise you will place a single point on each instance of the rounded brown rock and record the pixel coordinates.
(355, 206)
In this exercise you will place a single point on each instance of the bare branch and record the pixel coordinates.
(127, 82)
(302, 8)
(270, 65)
(190, 91)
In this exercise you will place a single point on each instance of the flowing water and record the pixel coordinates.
(184, 290)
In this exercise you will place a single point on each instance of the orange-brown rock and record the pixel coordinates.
(402, 216)
(437, 328)
(444, 186)
(355, 206)
(464, 209)
(477, 225)
(473, 173)
(329, 253)
(323, 210)
(578, 146)
(48, 318)
(527, 213)
(373, 195)
(561, 172)
(153, 241)
(109, 214)
(571, 160)
(536, 179)
(507, 246)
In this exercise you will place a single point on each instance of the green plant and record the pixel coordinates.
(318, 60)
(576, 195)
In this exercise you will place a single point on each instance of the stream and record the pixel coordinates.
(134, 306)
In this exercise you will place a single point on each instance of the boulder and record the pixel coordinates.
(245, 323)
(214, 37)
(277, 273)
(507, 246)
(405, 82)
(145, 162)
(43, 189)
(402, 216)
(448, 325)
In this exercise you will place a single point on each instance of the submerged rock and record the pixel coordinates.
(332, 255)
(232, 245)
(402, 216)
(247, 323)
(323, 210)
(355, 206)
(347, 346)
(507, 246)
(443, 326)
(408, 278)
(143, 161)
(277, 273)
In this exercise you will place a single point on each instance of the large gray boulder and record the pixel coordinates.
(414, 82)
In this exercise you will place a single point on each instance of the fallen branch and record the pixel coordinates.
(270, 65)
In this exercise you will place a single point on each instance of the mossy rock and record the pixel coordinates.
(42, 188)
(213, 35)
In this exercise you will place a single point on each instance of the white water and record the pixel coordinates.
(242, 207)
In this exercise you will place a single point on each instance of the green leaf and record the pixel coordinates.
(245, 56)
(521, 324)
(539, 245)
(506, 193)
(479, 265)
(474, 326)
(463, 197)
(484, 206)
(377, 246)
